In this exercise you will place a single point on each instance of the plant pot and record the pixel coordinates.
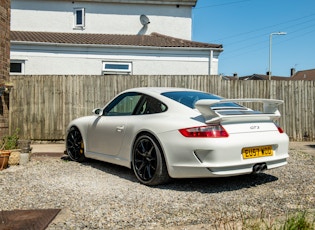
(5, 152)
(3, 162)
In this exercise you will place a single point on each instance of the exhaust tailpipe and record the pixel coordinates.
(259, 168)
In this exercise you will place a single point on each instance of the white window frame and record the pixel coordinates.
(107, 69)
(75, 14)
(22, 62)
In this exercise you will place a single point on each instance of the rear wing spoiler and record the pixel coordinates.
(270, 110)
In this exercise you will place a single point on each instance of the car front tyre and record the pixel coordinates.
(148, 162)
(75, 145)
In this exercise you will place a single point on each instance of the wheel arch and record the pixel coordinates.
(147, 132)
(83, 134)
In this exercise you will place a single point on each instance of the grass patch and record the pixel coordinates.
(301, 220)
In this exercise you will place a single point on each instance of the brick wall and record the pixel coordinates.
(4, 63)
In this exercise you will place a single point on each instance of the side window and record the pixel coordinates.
(151, 106)
(79, 17)
(124, 105)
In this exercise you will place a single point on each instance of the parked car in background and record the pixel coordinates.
(163, 133)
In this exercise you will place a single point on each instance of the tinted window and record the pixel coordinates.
(189, 98)
(151, 105)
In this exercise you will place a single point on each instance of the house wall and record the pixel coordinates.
(109, 18)
(4, 64)
(56, 60)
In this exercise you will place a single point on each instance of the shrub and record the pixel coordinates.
(10, 141)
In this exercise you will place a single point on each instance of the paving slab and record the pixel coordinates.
(53, 150)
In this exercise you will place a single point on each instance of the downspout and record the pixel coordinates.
(210, 62)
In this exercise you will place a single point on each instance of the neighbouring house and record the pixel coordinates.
(308, 75)
(300, 75)
(94, 37)
(258, 77)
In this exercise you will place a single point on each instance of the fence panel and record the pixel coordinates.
(42, 106)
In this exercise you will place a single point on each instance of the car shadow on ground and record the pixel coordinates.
(202, 185)
(220, 184)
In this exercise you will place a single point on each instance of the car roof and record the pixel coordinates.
(158, 90)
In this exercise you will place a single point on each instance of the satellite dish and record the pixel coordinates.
(144, 20)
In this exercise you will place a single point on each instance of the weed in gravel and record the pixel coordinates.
(299, 221)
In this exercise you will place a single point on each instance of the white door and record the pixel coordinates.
(106, 134)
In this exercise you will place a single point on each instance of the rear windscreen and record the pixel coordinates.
(189, 98)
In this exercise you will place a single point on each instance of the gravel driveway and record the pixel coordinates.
(97, 195)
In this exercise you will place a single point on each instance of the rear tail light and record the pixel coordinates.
(212, 131)
(279, 128)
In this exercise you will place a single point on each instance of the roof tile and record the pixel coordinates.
(304, 75)
(152, 40)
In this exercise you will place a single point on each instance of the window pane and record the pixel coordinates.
(15, 67)
(125, 106)
(117, 66)
(152, 106)
(189, 98)
(79, 17)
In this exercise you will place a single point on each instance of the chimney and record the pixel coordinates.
(292, 72)
(235, 75)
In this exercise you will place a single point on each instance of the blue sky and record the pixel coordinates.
(243, 27)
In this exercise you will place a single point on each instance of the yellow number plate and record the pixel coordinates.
(260, 151)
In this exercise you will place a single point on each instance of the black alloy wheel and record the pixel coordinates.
(148, 161)
(75, 145)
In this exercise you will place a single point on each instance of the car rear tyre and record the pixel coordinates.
(148, 162)
(75, 145)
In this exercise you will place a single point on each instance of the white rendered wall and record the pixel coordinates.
(50, 60)
(57, 16)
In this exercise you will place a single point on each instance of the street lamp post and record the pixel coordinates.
(270, 41)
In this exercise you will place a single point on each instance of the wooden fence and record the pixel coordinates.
(42, 106)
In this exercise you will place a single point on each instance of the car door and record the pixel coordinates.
(107, 132)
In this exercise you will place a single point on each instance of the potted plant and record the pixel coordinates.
(9, 143)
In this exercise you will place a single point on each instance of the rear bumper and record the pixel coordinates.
(185, 171)
(244, 169)
(221, 157)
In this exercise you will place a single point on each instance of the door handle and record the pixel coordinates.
(120, 128)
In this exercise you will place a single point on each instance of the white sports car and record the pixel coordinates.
(163, 133)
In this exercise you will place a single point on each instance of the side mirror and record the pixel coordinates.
(98, 112)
